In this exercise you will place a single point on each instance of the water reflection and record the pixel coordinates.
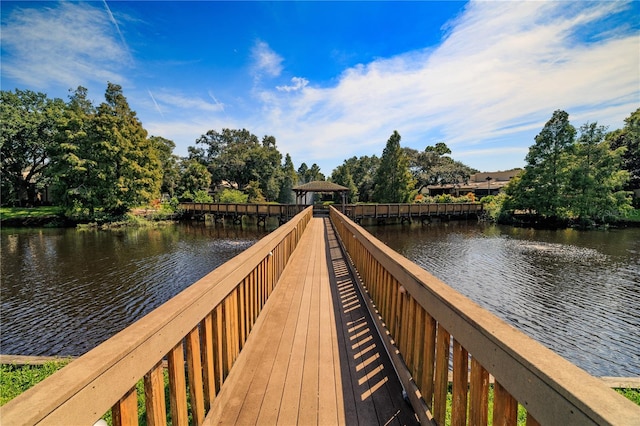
(65, 291)
(576, 292)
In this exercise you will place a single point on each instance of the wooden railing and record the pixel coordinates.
(431, 328)
(208, 323)
(280, 210)
(360, 211)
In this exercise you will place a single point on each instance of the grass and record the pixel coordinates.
(53, 216)
(631, 394)
(29, 212)
(16, 379)
(522, 413)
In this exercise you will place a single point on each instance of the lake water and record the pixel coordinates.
(577, 292)
(65, 291)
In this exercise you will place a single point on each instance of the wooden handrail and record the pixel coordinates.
(208, 322)
(359, 211)
(243, 209)
(433, 326)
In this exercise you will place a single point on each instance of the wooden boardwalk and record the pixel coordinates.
(314, 356)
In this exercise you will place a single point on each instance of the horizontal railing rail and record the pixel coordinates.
(431, 327)
(360, 211)
(280, 210)
(207, 323)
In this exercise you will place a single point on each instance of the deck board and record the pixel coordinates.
(313, 356)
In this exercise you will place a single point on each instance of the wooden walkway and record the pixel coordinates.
(313, 357)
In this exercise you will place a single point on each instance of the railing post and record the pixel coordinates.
(460, 386)
(505, 407)
(177, 386)
(125, 412)
(479, 394)
(194, 369)
(154, 396)
(208, 356)
(429, 349)
(442, 375)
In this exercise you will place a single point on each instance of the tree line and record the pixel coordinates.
(99, 159)
(585, 174)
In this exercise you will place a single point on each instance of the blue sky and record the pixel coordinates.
(332, 80)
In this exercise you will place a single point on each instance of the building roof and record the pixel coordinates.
(320, 186)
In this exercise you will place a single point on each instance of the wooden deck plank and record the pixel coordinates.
(290, 402)
(329, 391)
(272, 381)
(268, 335)
(273, 392)
(312, 357)
(308, 409)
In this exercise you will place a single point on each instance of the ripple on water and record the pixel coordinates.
(67, 298)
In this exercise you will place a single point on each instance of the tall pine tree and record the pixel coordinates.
(393, 180)
(130, 172)
(544, 182)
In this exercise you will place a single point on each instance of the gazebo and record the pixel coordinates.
(320, 186)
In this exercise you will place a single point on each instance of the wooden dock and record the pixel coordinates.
(314, 356)
(282, 334)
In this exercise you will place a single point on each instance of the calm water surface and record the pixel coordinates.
(65, 291)
(577, 292)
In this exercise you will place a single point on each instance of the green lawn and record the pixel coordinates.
(26, 212)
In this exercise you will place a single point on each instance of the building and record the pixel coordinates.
(480, 184)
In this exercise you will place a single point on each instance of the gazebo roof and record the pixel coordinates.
(320, 186)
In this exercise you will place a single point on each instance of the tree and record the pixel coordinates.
(194, 177)
(265, 163)
(129, 170)
(169, 161)
(29, 122)
(596, 178)
(629, 138)
(308, 174)
(342, 176)
(542, 186)
(73, 171)
(433, 166)
(289, 180)
(232, 196)
(254, 193)
(393, 180)
(363, 171)
(239, 157)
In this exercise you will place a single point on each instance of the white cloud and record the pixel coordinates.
(502, 70)
(297, 83)
(69, 44)
(265, 60)
(192, 105)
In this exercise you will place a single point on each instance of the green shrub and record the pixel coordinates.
(232, 196)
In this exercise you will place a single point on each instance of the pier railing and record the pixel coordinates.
(207, 323)
(408, 211)
(230, 209)
(431, 328)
